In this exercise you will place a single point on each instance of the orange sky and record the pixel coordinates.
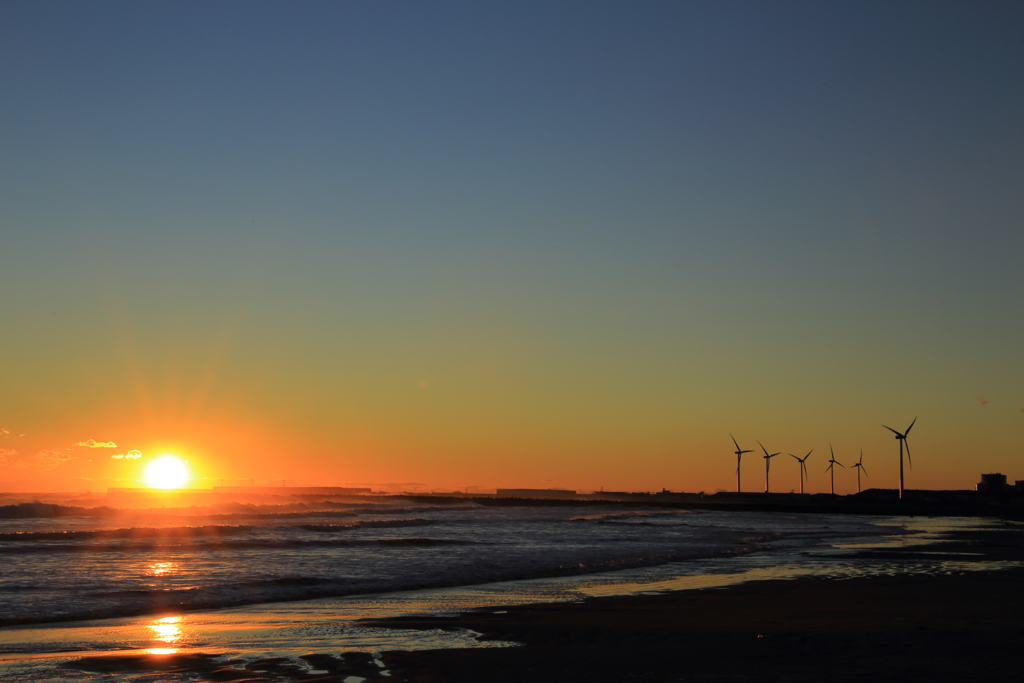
(462, 246)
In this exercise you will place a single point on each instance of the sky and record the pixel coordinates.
(533, 244)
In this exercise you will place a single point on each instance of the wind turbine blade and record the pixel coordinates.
(861, 457)
(841, 464)
(909, 461)
(863, 470)
(910, 427)
(808, 453)
(795, 458)
(893, 430)
(831, 451)
(734, 441)
(749, 451)
(762, 447)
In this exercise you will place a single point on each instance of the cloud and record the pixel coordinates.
(4, 431)
(93, 443)
(982, 400)
(130, 455)
(47, 459)
(5, 454)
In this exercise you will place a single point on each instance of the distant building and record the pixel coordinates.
(535, 493)
(992, 483)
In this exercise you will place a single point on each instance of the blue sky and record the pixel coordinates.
(608, 230)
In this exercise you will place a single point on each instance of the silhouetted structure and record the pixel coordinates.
(832, 470)
(992, 484)
(803, 468)
(902, 438)
(739, 458)
(767, 464)
(860, 468)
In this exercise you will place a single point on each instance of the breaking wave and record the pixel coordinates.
(199, 544)
(650, 518)
(220, 511)
(369, 524)
(178, 532)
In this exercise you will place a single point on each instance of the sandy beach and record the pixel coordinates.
(950, 623)
(905, 628)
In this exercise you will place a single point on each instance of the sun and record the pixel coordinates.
(166, 472)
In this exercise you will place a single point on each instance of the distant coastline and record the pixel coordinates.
(955, 503)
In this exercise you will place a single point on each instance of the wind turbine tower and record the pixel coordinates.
(902, 438)
(860, 468)
(803, 467)
(767, 464)
(832, 469)
(739, 457)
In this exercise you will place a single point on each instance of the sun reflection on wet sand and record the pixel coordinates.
(165, 630)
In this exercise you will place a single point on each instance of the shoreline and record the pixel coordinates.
(946, 628)
(716, 568)
(959, 627)
(871, 502)
(657, 632)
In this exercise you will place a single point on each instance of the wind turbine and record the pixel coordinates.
(767, 464)
(902, 438)
(832, 469)
(739, 456)
(860, 468)
(803, 467)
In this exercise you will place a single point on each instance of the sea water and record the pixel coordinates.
(246, 580)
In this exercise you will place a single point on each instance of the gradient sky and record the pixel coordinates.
(553, 244)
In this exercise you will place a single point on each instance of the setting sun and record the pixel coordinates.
(166, 472)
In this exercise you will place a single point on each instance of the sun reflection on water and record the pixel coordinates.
(162, 568)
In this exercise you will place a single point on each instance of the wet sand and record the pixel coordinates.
(905, 628)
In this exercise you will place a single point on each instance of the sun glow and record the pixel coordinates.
(166, 472)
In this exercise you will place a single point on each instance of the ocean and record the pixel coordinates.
(249, 581)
